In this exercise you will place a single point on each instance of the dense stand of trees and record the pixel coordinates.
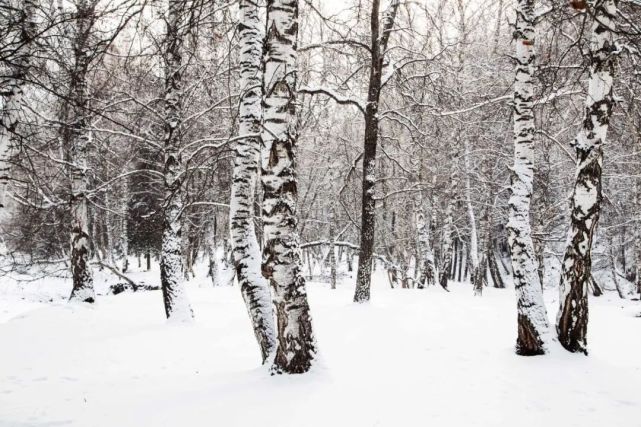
(438, 141)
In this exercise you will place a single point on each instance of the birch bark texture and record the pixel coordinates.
(177, 306)
(572, 318)
(296, 346)
(246, 252)
(79, 136)
(532, 317)
(12, 93)
(379, 40)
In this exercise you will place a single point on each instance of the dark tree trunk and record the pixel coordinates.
(379, 41)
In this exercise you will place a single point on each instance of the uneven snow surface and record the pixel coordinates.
(409, 358)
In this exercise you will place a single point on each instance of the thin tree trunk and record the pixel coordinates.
(493, 266)
(613, 271)
(572, 319)
(246, 252)
(454, 262)
(332, 245)
(177, 306)
(379, 41)
(124, 231)
(532, 317)
(296, 346)
(473, 251)
(428, 272)
(212, 256)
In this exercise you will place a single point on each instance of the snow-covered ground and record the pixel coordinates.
(408, 358)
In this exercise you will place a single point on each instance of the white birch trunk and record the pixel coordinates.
(296, 346)
(572, 319)
(532, 316)
(332, 248)
(12, 95)
(80, 138)
(246, 252)
(177, 306)
(473, 250)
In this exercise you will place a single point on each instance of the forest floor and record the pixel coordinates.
(408, 358)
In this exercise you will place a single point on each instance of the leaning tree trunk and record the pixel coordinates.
(296, 346)
(379, 41)
(79, 138)
(12, 93)
(246, 252)
(572, 319)
(177, 306)
(532, 318)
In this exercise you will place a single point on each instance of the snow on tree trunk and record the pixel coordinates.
(124, 232)
(210, 248)
(296, 346)
(531, 314)
(332, 248)
(447, 251)
(473, 250)
(80, 137)
(572, 319)
(12, 94)
(246, 252)
(428, 273)
(185, 247)
(368, 210)
(177, 306)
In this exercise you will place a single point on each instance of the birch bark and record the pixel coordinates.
(177, 306)
(79, 136)
(246, 253)
(296, 346)
(572, 319)
(531, 314)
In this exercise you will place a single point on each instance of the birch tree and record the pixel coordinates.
(572, 319)
(177, 305)
(531, 314)
(379, 36)
(253, 286)
(78, 137)
(296, 346)
(22, 36)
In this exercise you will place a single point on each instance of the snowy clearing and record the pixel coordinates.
(410, 357)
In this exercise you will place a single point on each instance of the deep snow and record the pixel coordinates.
(408, 358)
